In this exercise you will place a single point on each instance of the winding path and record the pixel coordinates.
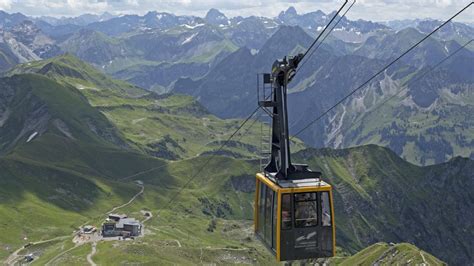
(14, 257)
(94, 243)
(423, 257)
(130, 201)
(60, 254)
(93, 251)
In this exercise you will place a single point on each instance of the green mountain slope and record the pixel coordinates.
(169, 126)
(389, 254)
(365, 179)
(60, 160)
(32, 104)
(64, 162)
(85, 164)
(69, 174)
(67, 69)
(152, 58)
(381, 197)
(423, 118)
(428, 124)
(95, 47)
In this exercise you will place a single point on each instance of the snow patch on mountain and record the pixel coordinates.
(192, 27)
(189, 39)
(32, 136)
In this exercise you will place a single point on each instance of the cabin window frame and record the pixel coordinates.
(274, 219)
(287, 226)
(328, 205)
(316, 210)
(268, 216)
(261, 210)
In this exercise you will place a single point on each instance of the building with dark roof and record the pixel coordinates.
(121, 227)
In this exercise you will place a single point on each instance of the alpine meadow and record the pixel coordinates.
(308, 137)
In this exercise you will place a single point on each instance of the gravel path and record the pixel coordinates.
(93, 251)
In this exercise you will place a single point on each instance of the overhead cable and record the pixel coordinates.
(380, 71)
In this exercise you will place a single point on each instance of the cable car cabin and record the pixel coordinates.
(295, 218)
(294, 213)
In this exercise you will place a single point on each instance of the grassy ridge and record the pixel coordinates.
(389, 254)
(82, 166)
(381, 197)
(66, 174)
(167, 126)
(83, 174)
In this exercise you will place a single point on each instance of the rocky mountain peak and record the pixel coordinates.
(28, 34)
(289, 33)
(291, 11)
(288, 14)
(216, 17)
(25, 27)
(9, 20)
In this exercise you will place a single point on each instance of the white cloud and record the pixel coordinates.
(5, 4)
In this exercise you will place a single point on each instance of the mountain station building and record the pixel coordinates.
(125, 227)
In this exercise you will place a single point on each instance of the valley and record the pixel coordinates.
(88, 109)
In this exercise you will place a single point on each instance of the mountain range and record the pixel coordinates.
(404, 126)
(215, 60)
(101, 113)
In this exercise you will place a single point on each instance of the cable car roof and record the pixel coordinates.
(309, 182)
(296, 183)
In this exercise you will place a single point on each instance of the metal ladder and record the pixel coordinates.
(264, 94)
(265, 137)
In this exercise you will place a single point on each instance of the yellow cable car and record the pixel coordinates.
(295, 218)
(294, 211)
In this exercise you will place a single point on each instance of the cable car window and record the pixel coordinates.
(325, 209)
(268, 215)
(261, 208)
(306, 210)
(286, 211)
(274, 222)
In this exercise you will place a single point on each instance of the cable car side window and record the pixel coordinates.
(286, 213)
(325, 209)
(306, 210)
(261, 206)
(274, 222)
(268, 216)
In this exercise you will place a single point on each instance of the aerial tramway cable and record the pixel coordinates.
(325, 28)
(200, 169)
(380, 71)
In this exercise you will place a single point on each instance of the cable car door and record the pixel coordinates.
(302, 233)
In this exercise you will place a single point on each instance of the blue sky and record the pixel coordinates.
(381, 10)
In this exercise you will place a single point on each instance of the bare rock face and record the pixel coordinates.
(108, 134)
(28, 34)
(61, 126)
(6, 95)
(34, 120)
(215, 17)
